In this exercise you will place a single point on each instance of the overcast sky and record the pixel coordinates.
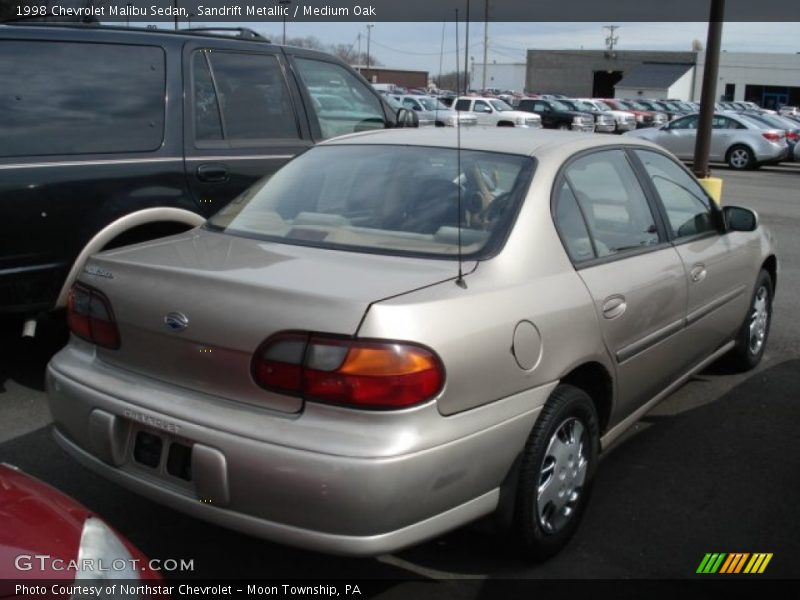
(418, 45)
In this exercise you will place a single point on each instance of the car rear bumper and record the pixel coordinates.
(367, 485)
(772, 153)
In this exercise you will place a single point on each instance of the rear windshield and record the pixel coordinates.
(408, 200)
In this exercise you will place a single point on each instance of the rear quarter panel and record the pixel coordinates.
(472, 328)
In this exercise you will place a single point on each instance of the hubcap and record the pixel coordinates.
(562, 475)
(759, 318)
(739, 158)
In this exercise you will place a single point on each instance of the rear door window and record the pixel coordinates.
(240, 97)
(612, 202)
(354, 107)
(76, 98)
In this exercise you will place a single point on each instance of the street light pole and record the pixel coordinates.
(485, 42)
(369, 31)
(466, 54)
(284, 3)
(710, 74)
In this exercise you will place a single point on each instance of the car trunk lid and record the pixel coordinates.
(192, 309)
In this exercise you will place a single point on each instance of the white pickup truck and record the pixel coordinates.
(495, 112)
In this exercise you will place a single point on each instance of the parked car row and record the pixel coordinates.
(432, 111)
(746, 139)
(742, 141)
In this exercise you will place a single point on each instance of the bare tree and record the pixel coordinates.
(449, 81)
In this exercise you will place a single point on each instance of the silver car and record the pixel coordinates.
(393, 336)
(737, 140)
(432, 109)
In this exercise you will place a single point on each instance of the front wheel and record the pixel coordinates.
(556, 472)
(741, 158)
(752, 338)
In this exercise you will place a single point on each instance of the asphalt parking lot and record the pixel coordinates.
(714, 468)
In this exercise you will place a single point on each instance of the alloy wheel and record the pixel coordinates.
(740, 158)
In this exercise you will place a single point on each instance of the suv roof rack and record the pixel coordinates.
(239, 32)
(242, 32)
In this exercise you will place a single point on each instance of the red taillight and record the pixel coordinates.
(359, 373)
(773, 136)
(89, 317)
(792, 135)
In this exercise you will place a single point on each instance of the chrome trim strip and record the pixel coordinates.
(129, 161)
(648, 341)
(30, 269)
(701, 312)
(82, 163)
(242, 157)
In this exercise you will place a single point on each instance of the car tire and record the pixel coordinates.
(740, 158)
(752, 337)
(563, 127)
(562, 451)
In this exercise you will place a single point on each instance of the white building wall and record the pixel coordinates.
(682, 89)
(745, 68)
(505, 76)
(633, 92)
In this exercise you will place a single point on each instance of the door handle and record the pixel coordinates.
(212, 172)
(698, 273)
(614, 306)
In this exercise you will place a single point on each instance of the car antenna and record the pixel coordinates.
(460, 280)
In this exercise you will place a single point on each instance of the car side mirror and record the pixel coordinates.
(739, 219)
(407, 118)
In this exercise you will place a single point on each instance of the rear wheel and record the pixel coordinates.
(741, 158)
(556, 473)
(752, 338)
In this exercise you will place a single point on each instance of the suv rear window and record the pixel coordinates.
(80, 98)
(385, 199)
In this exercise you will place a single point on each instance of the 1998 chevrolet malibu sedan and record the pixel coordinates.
(394, 336)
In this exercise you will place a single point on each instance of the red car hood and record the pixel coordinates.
(37, 519)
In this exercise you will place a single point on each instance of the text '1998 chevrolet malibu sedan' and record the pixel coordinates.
(397, 329)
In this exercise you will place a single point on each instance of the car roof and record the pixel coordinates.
(522, 141)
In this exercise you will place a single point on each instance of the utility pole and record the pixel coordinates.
(369, 32)
(466, 54)
(458, 70)
(358, 60)
(284, 4)
(485, 42)
(611, 40)
(710, 74)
